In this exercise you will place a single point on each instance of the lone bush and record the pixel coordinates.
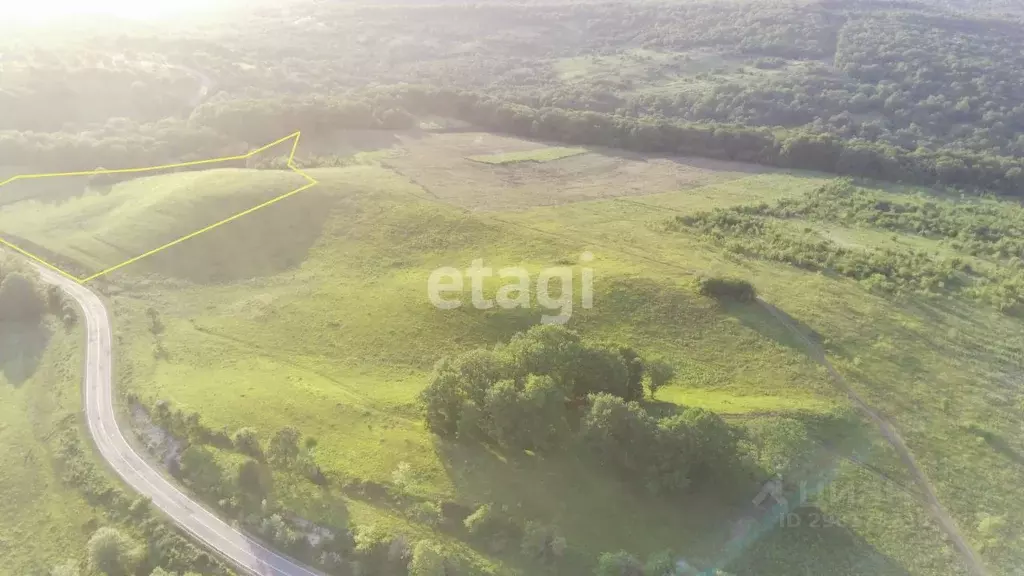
(113, 553)
(247, 441)
(728, 288)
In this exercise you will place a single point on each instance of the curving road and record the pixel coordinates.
(204, 526)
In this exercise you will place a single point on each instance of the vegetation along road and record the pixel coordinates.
(136, 472)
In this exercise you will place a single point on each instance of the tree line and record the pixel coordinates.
(798, 149)
(762, 231)
(233, 127)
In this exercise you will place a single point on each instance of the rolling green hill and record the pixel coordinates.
(314, 314)
(100, 229)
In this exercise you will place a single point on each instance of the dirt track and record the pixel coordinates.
(945, 521)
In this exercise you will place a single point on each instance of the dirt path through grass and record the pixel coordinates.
(946, 522)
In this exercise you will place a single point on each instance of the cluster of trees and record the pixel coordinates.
(51, 90)
(219, 128)
(755, 231)
(622, 563)
(114, 552)
(546, 389)
(119, 143)
(152, 545)
(264, 120)
(990, 229)
(888, 269)
(244, 491)
(539, 375)
(908, 80)
(23, 300)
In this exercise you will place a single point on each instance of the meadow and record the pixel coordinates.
(44, 523)
(313, 314)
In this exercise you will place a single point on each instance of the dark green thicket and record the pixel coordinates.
(730, 288)
(547, 390)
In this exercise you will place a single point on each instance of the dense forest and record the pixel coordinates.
(900, 92)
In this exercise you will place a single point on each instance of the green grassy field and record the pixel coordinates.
(44, 523)
(322, 322)
(98, 230)
(539, 155)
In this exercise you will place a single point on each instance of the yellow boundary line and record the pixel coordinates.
(291, 157)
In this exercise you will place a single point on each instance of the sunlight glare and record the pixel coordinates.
(44, 10)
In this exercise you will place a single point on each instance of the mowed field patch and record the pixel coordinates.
(448, 168)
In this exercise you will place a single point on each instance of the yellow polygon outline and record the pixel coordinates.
(291, 157)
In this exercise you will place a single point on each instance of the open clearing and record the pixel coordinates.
(539, 155)
(447, 167)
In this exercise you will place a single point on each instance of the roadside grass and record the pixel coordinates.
(44, 523)
(539, 155)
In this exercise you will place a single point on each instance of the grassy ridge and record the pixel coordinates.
(99, 230)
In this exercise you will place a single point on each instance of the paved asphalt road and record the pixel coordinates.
(188, 514)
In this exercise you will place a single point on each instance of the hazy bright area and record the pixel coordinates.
(46, 12)
(801, 225)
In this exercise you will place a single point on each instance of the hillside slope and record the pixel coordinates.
(327, 327)
(100, 229)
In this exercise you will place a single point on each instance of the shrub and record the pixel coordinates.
(113, 553)
(659, 373)
(542, 542)
(381, 551)
(660, 564)
(727, 288)
(428, 559)
(247, 441)
(251, 480)
(284, 446)
(486, 521)
(428, 513)
(620, 563)
(492, 525)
